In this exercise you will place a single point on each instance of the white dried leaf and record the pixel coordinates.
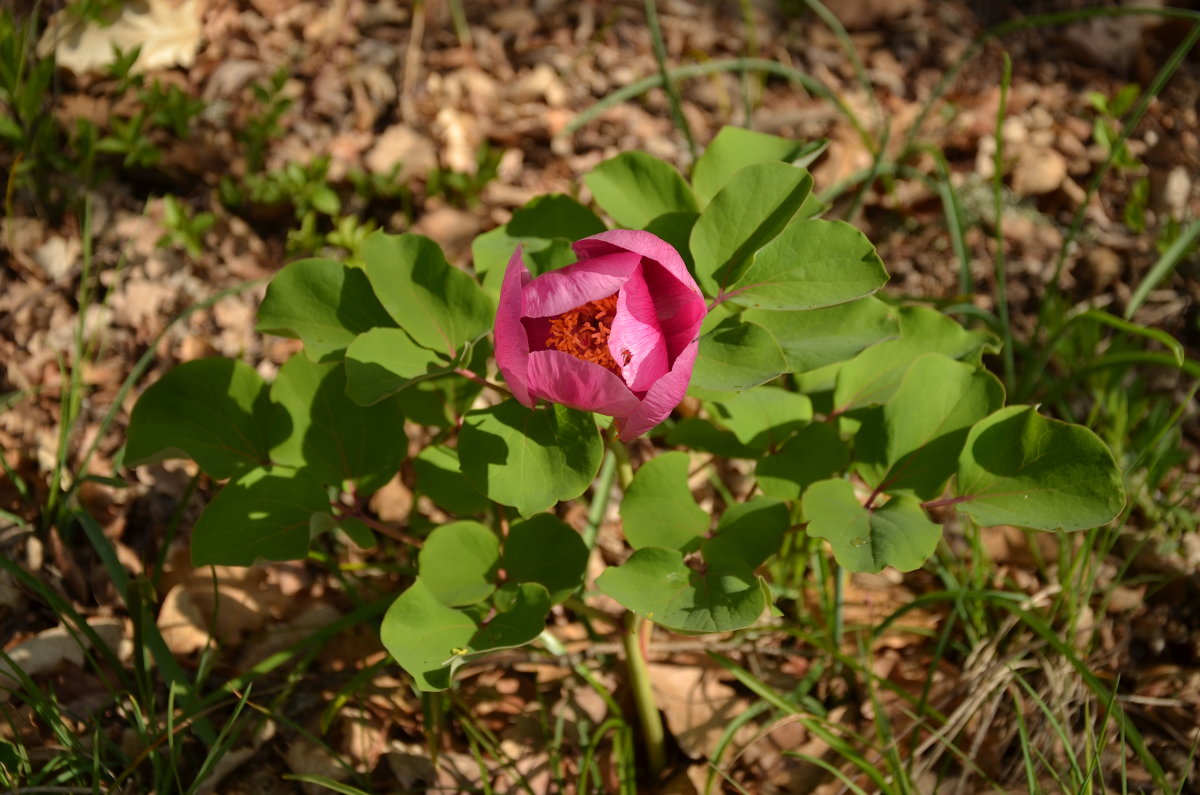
(167, 31)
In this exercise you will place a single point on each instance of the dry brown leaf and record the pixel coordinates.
(58, 256)
(167, 32)
(401, 146)
(52, 647)
(697, 704)
(1038, 170)
(304, 757)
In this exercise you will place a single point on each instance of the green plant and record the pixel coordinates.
(28, 131)
(464, 188)
(857, 414)
(183, 227)
(264, 126)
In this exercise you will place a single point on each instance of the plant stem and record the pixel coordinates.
(643, 693)
(600, 495)
(465, 373)
(621, 454)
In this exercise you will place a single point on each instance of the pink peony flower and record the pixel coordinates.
(615, 333)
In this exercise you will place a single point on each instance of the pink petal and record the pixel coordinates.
(637, 335)
(560, 377)
(662, 398)
(679, 309)
(512, 344)
(575, 285)
(646, 244)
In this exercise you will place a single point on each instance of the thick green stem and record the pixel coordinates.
(600, 496)
(643, 693)
(624, 467)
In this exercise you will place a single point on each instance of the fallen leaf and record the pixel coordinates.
(697, 704)
(52, 647)
(167, 32)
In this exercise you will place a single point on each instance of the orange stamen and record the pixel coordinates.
(583, 332)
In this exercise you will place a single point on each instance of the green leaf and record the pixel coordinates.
(765, 416)
(702, 436)
(383, 361)
(635, 188)
(811, 264)
(657, 584)
(459, 562)
(658, 509)
(737, 355)
(873, 376)
(676, 229)
(439, 306)
(323, 303)
(552, 216)
(492, 250)
(921, 429)
(529, 459)
(897, 534)
(217, 412)
(425, 635)
(544, 229)
(748, 534)
(355, 529)
(1018, 467)
(754, 207)
(734, 148)
(332, 437)
(547, 551)
(260, 514)
(430, 639)
(815, 453)
(832, 334)
(519, 618)
(440, 478)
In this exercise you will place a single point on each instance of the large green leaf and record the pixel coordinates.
(754, 207)
(529, 459)
(440, 477)
(897, 534)
(748, 534)
(921, 429)
(519, 616)
(382, 361)
(1018, 467)
(439, 306)
(217, 412)
(810, 264)
(657, 584)
(765, 416)
(701, 435)
(266, 514)
(459, 563)
(429, 639)
(734, 148)
(545, 550)
(676, 229)
(820, 337)
(873, 376)
(332, 437)
(425, 636)
(658, 509)
(815, 453)
(737, 355)
(635, 188)
(552, 216)
(323, 303)
(544, 229)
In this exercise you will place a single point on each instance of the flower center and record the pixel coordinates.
(583, 332)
